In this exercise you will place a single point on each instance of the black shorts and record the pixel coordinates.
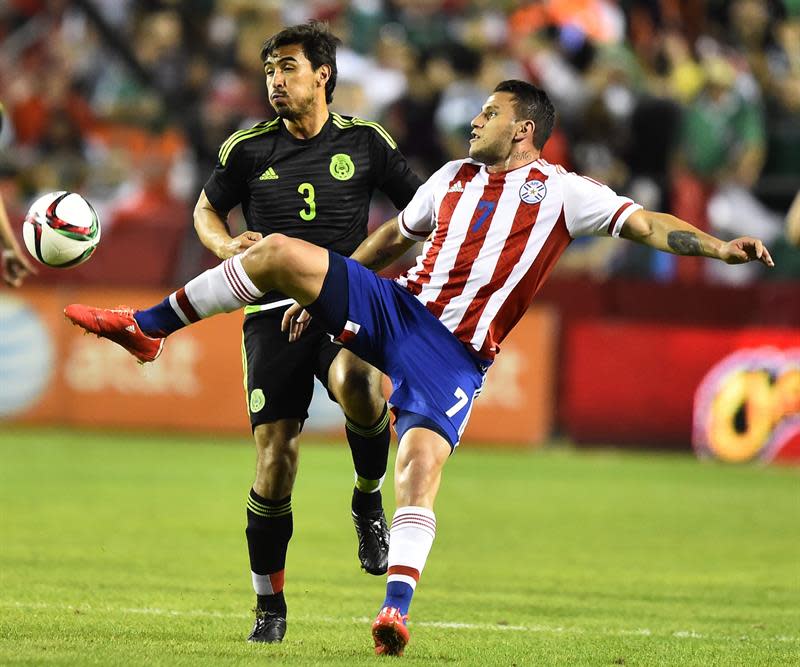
(279, 375)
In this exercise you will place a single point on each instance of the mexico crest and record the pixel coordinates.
(342, 167)
(257, 400)
(532, 192)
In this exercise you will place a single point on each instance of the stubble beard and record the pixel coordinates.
(291, 112)
(497, 153)
(489, 155)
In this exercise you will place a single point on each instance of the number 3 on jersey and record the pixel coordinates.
(307, 191)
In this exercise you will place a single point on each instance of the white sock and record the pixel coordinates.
(410, 541)
(223, 289)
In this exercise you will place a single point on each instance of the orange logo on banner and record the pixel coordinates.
(747, 405)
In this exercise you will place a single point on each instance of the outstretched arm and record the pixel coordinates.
(382, 247)
(670, 234)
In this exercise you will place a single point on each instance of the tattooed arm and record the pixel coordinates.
(670, 234)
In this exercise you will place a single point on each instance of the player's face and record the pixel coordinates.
(291, 82)
(493, 130)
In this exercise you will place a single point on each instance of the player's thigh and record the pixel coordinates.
(293, 266)
(279, 375)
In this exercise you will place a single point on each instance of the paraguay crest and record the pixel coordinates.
(342, 167)
(532, 192)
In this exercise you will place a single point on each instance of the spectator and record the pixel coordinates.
(699, 100)
(461, 95)
(722, 143)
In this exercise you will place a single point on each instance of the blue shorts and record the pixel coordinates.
(432, 373)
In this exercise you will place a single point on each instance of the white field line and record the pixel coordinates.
(490, 627)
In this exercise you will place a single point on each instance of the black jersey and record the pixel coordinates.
(316, 189)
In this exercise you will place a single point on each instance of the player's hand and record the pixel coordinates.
(16, 268)
(745, 249)
(295, 320)
(239, 244)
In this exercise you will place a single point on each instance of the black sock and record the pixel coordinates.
(272, 603)
(366, 503)
(269, 529)
(369, 447)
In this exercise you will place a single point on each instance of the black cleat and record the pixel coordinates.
(373, 540)
(269, 628)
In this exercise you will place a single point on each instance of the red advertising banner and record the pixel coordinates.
(53, 374)
(625, 382)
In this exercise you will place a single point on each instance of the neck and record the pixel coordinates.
(307, 125)
(519, 157)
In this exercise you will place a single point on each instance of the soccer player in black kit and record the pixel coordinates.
(309, 174)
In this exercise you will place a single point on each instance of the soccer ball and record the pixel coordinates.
(61, 229)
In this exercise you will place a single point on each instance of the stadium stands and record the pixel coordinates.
(636, 91)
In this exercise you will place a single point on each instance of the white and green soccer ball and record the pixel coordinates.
(61, 229)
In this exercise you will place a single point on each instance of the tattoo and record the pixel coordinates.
(523, 155)
(380, 260)
(684, 243)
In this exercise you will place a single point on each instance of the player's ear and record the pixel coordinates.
(323, 74)
(525, 130)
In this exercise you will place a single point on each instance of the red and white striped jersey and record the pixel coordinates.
(492, 239)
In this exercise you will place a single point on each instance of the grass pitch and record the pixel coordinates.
(130, 550)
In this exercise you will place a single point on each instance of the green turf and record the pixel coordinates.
(129, 550)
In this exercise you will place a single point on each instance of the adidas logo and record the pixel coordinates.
(456, 187)
(268, 175)
(130, 328)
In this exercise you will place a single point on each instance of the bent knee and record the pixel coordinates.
(355, 383)
(269, 248)
(360, 381)
(276, 261)
(277, 436)
(419, 459)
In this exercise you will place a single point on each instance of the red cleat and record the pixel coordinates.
(390, 632)
(119, 326)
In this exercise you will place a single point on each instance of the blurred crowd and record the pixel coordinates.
(688, 106)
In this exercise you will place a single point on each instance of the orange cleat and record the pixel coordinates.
(119, 326)
(389, 632)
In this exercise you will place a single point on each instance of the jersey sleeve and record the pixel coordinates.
(225, 188)
(417, 220)
(591, 208)
(393, 175)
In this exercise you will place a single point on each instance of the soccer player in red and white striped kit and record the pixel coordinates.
(494, 225)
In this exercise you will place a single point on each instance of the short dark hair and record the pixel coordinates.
(319, 47)
(531, 103)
